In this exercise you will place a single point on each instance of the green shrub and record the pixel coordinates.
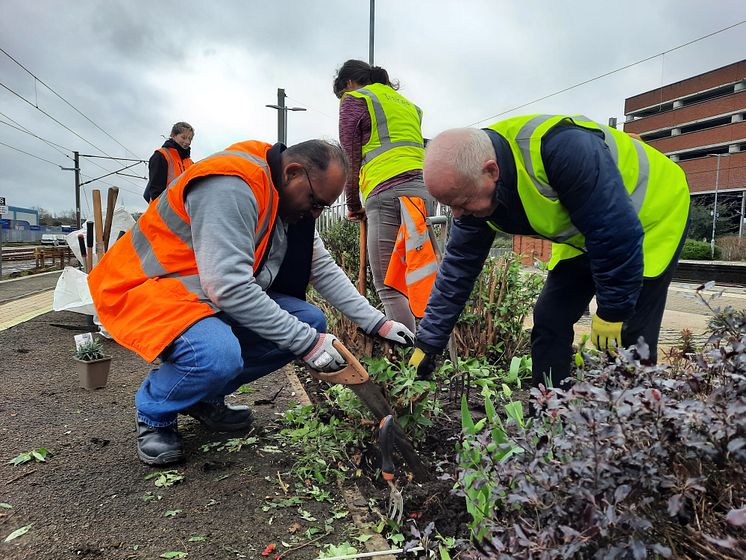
(698, 251)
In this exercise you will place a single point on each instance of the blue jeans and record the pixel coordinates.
(213, 358)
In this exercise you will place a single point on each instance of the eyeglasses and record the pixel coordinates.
(316, 202)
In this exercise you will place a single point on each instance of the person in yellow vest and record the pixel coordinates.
(616, 209)
(212, 279)
(170, 160)
(380, 130)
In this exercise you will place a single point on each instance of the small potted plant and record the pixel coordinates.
(93, 365)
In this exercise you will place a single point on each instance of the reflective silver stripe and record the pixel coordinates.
(382, 125)
(637, 196)
(171, 167)
(264, 226)
(523, 139)
(414, 240)
(382, 128)
(420, 273)
(643, 175)
(148, 261)
(174, 222)
(563, 236)
(385, 148)
(192, 284)
(608, 136)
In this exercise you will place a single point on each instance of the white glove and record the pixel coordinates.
(323, 356)
(396, 332)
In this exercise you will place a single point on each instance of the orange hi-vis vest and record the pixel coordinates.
(176, 165)
(413, 264)
(147, 288)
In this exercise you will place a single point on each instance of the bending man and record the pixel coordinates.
(615, 208)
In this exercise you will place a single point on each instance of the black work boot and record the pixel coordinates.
(221, 417)
(159, 446)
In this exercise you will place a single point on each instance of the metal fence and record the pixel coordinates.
(338, 211)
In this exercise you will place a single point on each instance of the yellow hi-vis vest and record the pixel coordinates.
(413, 264)
(395, 143)
(656, 186)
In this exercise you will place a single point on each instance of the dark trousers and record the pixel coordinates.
(568, 290)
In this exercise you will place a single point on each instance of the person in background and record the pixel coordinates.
(212, 279)
(615, 208)
(169, 161)
(380, 131)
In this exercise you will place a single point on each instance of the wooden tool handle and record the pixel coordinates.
(89, 245)
(98, 223)
(111, 201)
(362, 274)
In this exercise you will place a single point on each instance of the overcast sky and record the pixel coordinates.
(134, 68)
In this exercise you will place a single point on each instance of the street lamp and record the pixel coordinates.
(715, 205)
(282, 115)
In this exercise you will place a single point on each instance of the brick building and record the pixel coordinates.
(700, 123)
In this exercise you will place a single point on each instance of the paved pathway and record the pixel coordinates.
(27, 285)
(20, 310)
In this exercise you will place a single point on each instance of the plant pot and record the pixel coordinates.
(93, 374)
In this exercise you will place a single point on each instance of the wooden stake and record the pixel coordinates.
(99, 224)
(111, 200)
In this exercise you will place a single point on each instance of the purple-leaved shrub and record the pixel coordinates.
(631, 461)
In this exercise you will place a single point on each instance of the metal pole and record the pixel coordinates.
(371, 34)
(715, 208)
(743, 217)
(76, 159)
(282, 117)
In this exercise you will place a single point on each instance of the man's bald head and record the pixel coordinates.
(460, 170)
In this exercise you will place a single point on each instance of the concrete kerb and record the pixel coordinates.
(354, 500)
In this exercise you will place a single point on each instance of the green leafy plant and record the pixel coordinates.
(407, 395)
(39, 455)
(318, 442)
(334, 550)
(90, 351)
(491, 324)
(18, 533)
(233, 445)
(165, 479)
(174, 554)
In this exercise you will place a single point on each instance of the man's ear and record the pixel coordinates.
(491, 168)
(292, 169)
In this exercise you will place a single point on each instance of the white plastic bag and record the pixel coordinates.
(72, 293)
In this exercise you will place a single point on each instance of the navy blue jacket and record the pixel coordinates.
(581, 170)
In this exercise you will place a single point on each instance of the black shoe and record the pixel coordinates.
(221, 417)
(159, 446)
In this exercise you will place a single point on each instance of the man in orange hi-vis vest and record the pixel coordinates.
(212, 279)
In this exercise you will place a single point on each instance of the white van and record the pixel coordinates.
(53, 239)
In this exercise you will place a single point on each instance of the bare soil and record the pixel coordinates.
(91, 500)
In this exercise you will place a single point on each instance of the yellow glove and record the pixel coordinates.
(606, 335)
(425, 363)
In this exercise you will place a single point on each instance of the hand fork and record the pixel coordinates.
(395, 510)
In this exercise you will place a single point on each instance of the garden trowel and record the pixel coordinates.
(356, 378)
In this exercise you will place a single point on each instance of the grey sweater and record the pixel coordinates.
(224, 215)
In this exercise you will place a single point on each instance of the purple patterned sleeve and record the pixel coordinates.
(354, 131)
